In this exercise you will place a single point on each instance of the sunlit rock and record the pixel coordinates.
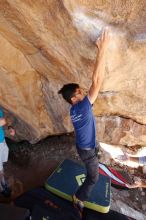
(45, 44)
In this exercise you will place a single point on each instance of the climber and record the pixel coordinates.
(84, 122)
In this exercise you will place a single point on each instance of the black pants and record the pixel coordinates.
(90, 161)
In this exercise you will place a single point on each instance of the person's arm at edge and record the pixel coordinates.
(10, 128)
(2, 122)
(137, 184)
(136, 159)
(99, 69)
(139, 160)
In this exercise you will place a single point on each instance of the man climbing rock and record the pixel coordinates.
(84, 122)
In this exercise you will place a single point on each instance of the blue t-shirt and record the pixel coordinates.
(2, 136)
(84, 124)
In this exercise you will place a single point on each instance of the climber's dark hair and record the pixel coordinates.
(68, 90)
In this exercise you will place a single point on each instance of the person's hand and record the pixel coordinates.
(103, 41)
(11, 131)
(2, 122)
(136, 184)
(123, 158)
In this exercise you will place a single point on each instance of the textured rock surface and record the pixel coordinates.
(45, 44)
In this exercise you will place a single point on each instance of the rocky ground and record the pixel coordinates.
(30, 165)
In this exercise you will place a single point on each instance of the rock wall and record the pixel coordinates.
(45, 44)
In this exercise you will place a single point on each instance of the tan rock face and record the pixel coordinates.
(45, 44)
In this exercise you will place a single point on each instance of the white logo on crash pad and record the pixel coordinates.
(80, 179)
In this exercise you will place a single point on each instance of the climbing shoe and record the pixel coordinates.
(78, 204)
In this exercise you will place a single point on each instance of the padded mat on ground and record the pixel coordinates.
(67, 178)
(48, 203)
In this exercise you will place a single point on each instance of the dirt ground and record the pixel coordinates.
(30, 165)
